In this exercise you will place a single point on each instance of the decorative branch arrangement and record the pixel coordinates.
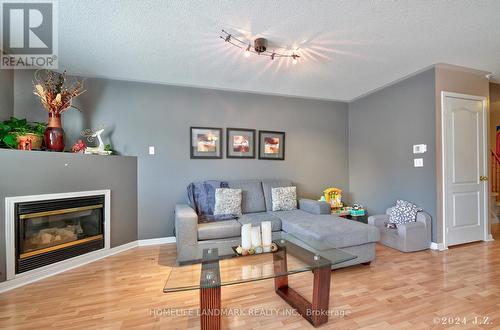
(54, 92)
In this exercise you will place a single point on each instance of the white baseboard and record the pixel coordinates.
(156, 241)
(437, 246)
(65, 265)
(440, 246)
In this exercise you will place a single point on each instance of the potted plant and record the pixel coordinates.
(14, 132)
(56, 96)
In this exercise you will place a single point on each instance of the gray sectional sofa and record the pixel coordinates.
(311, 226)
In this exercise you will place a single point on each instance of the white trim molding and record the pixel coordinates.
(10, 233)
(156, 241)
(437, 246)
(486, 213)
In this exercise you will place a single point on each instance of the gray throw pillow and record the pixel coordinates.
(284, 198)
(227, 201)
(403, 212)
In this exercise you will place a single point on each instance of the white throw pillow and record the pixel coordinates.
(284, 198)
(227, 201)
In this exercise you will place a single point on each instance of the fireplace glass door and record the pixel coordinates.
(51, 231)
(46, 231)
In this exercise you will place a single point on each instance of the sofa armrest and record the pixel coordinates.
(186, 225)
(378, 220)
(314, 207)
(405, 228)
(424, 218)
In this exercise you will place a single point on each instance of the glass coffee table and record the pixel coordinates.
(221, 266)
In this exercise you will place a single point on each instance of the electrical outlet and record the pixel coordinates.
(418, 162)
(151, 150)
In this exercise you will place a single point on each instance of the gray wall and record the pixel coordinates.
(383, 127)
(32, 173)
(138, 115)
(6, 94)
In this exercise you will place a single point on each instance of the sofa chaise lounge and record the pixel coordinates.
(311, 226)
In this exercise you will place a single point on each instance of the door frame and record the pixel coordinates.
(485, 169)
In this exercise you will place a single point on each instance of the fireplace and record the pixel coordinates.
(49, 231)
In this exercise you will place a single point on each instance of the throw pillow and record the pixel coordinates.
(404, 212)
(227, 201)
(284, 198)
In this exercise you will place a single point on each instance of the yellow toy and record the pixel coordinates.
(333, 196)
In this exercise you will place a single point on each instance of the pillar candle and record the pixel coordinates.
(256, 240)
(246, 236)
(266, 235)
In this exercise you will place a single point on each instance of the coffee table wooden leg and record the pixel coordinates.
(321, 296)
(280, 266)
(210, 318)
(316, 312)
(210, 308)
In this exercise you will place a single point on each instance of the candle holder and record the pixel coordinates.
(261, 249)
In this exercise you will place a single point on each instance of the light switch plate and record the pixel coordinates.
(418, 162)
(151, 150)
(419, 148)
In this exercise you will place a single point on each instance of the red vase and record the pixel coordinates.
(54, 134)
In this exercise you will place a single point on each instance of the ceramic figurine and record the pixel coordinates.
(91, 135)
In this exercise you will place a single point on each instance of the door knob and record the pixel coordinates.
(483, 178)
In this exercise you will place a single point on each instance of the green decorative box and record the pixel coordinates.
(357, 213)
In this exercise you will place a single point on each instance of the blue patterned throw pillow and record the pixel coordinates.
(404, 212)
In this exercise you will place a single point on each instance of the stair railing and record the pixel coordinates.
(495, 172)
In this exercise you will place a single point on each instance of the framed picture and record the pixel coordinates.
(240, 143)
(206, 143)
(271, 145)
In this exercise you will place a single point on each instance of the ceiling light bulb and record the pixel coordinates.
(294, 61)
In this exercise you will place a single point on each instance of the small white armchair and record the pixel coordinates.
(408, 237)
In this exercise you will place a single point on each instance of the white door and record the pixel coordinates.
(465, 185)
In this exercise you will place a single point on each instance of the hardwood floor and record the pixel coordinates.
(397, 291)
(495, 230)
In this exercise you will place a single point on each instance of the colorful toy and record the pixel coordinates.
(333, 196)
(342, 211)
(357, 210)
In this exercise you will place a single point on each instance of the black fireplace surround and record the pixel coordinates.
(50, 231)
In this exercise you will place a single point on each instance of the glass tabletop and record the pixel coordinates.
(220, 266)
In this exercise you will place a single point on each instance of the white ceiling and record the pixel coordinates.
(348, 48)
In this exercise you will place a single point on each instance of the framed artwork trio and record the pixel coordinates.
(207, 143)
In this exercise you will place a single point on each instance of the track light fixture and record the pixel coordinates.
(259, 47)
